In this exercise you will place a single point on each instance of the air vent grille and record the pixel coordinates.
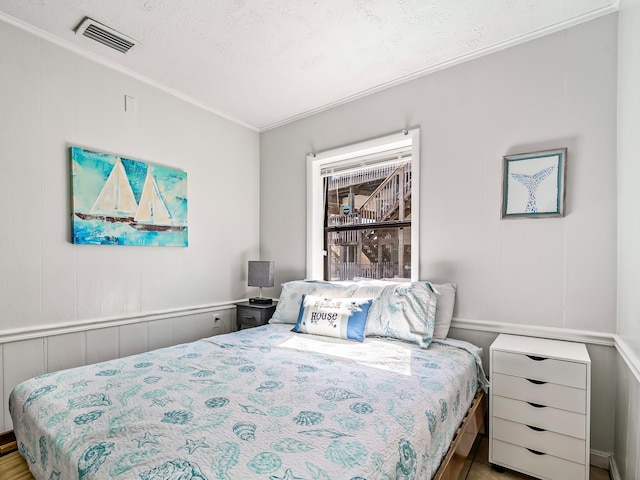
(105, 35)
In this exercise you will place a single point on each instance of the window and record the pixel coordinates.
(362, 210)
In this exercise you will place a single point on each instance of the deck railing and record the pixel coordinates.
(360, 176)
(349, 271)
(383, 202)
(389, 196)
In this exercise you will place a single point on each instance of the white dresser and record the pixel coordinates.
(539, 407)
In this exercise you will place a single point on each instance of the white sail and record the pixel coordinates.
(152, 209)
(116, 197)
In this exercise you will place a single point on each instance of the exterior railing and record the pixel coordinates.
(386, 197)
(349, 219)
(362, 176)
(349, 271)
(382, 202)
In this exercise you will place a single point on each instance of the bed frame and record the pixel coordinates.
(472, 424)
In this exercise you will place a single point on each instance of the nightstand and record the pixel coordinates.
(539, 407)
(253, 314)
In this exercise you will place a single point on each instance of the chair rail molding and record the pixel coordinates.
(42, 331)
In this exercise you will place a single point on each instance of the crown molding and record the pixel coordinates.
(613, 7)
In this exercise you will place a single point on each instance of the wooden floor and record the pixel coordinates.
(13, 467)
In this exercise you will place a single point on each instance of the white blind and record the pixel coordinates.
(388, 157)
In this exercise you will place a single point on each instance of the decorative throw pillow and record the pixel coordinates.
(405, 311)
(291, 296)
(333, 317)
(446, 293)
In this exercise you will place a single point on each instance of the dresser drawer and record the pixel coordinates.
(563, 446)
(549, 394)
(540, 368)
(548, 418)
(545, 466)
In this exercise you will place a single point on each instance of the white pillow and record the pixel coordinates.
(290, 299)
(446, 293)
(370, 288)
(405, 311)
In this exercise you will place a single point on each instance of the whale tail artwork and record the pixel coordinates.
(532, 182)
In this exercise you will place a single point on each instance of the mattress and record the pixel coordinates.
(259, 403)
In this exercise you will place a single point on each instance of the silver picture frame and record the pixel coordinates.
(533, 184)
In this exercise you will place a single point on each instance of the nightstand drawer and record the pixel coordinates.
(549, 418)
(540, 368)
(563, 446)
(549, 394)
(250, 317)
(253, 314)
(546, 466)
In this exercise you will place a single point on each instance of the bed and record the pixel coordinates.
(259, 403)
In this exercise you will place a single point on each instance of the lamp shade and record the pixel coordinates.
(260, 274)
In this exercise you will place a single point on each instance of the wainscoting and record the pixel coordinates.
(25, 354)
(615, 370)
(615, 388)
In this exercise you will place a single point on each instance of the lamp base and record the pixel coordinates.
(261, 301)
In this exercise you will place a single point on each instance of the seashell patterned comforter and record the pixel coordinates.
(263, 403)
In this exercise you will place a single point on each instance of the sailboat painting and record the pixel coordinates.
(119, 201)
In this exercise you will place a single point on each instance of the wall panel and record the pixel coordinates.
(66, 351)
(22, 360)
(102, 344)
(195, 327)
(160, 333)
(133, 339)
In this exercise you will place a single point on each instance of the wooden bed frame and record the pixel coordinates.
(472, 424)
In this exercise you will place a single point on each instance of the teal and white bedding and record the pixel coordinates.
(262, 403)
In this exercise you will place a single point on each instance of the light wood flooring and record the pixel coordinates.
(13, 467)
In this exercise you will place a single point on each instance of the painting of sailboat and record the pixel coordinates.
(120, 201)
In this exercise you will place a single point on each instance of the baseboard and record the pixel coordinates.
(600, 459)
(614, 473)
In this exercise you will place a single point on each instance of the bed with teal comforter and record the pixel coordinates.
(262, 403)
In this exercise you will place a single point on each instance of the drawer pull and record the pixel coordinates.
(537, 405)
(536, 452)
(536, 382)
(536, 359)
(249, 317)
(536, 429)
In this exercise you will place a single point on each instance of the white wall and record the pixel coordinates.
(555, 91)
(51, 98)
(627, 441)
(559, 90)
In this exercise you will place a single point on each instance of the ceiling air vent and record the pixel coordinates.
(105, 35)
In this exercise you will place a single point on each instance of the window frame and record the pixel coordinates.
(350, 153)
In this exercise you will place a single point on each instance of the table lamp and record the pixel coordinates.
(260, 275)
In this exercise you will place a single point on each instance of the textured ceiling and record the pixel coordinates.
(266, 62)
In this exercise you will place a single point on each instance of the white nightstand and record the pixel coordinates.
(539, 407)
